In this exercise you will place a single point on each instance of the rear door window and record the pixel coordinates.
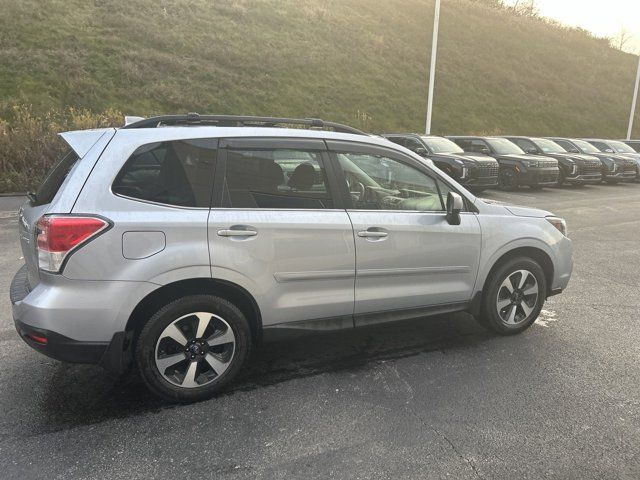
(276, 178)
(54, 179)
(178, 172)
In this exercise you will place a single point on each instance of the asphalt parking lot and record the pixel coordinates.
(432, 398)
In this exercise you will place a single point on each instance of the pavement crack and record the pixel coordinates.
(457, 452)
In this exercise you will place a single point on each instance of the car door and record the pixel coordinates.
(278, 230)
(408, 257)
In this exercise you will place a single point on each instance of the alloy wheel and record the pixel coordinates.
(517, 297)
(195, 349)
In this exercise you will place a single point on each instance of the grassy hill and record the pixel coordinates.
(362, 62)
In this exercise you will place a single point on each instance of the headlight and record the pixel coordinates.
(559, 223)
(610, 163)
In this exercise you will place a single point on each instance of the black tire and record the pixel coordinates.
(489, 314)
(145, 351)
(507, 179)
(561, 177)
(476, 190)
(611, 182)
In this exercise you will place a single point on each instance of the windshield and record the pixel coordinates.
(548, 146)
(441, 145)
(621, 147)
(502, 146)
(586, 147)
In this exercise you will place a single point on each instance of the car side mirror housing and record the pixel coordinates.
(421, 151)
(531, 150)
(454, 206)
(484, 150)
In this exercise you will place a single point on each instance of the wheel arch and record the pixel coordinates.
(236, 294)
(535, 253)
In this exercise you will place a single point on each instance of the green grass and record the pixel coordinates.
(361, 62)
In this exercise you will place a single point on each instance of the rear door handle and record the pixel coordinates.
(372, 234)
(237, 233)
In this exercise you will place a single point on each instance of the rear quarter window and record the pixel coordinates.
(55, 178)
(177, 173)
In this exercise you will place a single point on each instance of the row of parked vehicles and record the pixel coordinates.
(509, 162)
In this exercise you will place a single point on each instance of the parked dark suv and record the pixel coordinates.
(516, 167)
(619, 148)
(614, 167)
(635, 144)
(475, 171)
(575, 168)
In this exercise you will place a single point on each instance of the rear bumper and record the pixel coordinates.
(75, 321)
(60, 347)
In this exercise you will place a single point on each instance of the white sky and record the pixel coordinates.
(604, 18)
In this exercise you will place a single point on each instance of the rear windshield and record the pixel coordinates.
(55, 177)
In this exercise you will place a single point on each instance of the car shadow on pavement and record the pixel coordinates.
(79, 395)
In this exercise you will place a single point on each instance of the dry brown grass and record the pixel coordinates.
(29, 143)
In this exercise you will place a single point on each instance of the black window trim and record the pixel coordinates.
(274, 143)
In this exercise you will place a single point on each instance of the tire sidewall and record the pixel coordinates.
(491, 318)
(510, 175)
(146, 346)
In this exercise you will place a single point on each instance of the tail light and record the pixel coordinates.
(59, 235)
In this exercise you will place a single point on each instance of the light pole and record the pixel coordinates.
(633, 102)
(432, 68)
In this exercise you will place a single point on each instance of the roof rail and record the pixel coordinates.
(194, 119)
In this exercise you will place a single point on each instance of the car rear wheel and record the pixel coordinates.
(192, 347)
(561, 178)
(507, 180)
(514, 296)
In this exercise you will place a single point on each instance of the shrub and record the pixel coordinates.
(29, 143)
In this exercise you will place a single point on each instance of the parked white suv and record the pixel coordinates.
(174, 242)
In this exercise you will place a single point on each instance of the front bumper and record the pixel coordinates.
(587, 178)
(624, 176)
(539, 176)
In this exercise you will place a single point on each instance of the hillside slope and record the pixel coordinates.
(363, 62)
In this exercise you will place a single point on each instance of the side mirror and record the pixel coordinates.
(531, 150)
(454, 206)
(421, 151)
(483, 150)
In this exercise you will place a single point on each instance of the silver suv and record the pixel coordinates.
(174, 242)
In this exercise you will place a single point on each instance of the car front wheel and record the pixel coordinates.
(507, 180)
(192, 347)
(514, 296)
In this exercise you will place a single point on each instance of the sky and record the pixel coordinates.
(604, 18)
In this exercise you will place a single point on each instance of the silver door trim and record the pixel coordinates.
(379, 272)
(283, 277)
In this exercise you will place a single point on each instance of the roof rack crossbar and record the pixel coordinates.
(240, 121)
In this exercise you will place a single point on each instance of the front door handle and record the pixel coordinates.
(237, 233)
(372, 234)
